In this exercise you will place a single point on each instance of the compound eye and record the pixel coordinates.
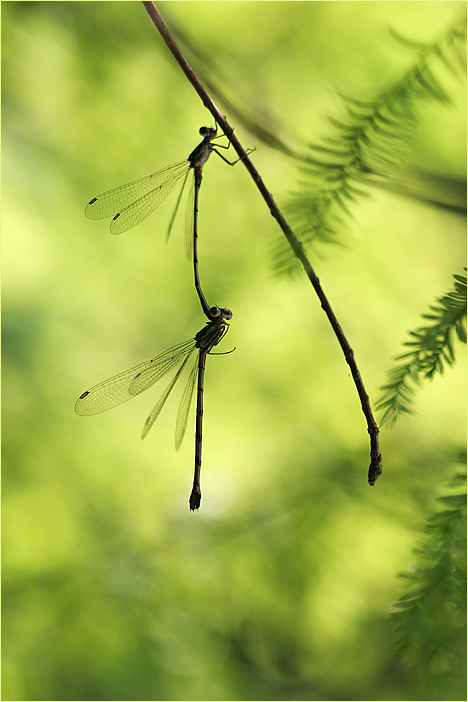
(215, 312)
(204, 131)
(227, 314)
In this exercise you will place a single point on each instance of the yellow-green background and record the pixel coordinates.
(281, 586)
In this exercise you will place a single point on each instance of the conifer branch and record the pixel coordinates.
(431, 349)
(430, 618)
(367, 147)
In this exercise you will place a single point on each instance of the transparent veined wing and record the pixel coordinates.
(184, 407)
(132, 202)
(122, 387)
(160, 365)
(176, 209)
(162, 401)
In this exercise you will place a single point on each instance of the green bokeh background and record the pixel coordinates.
(281, 586)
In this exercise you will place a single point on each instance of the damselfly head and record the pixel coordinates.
(207, 132)
(225, 313)
(220, 313)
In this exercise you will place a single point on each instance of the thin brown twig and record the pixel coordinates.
(375, 468)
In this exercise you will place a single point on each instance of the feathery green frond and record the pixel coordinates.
(430, 618)
(431, 348)
(369, 141)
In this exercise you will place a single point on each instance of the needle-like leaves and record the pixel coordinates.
(367, 146)
(431, 349)
(430, 618)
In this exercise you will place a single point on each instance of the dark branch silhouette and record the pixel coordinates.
(375, 468)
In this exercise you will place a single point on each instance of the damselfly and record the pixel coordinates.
(130, 204)
(123, 387)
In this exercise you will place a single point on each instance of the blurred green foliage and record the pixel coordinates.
(437, 585)
(281, 586)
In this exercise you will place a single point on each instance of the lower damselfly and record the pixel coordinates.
(133, 382)
(130, 204)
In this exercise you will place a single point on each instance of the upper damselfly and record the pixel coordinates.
(130, 204)
(133, 382)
